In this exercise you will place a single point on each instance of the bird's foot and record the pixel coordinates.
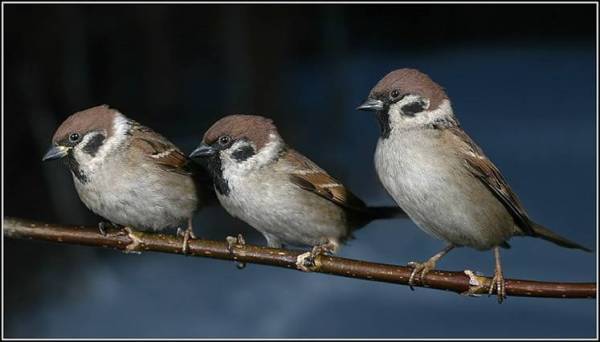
(498, 283)
(234, 240)
(477, 284)
(231, 242)
(187, 234)
(306, 261)
(133, 246)
(421, 269)
(104, 226)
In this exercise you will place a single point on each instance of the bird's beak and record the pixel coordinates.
(55, 152)
(371, 105)
(203, 151)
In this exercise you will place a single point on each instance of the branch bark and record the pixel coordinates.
(461, 282)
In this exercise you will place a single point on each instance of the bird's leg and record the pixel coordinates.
(328, 248)
(498, 280)
(233, 240)
(423, 268)
(187, 234)
(306, 261)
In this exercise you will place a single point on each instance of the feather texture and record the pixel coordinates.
(483, 168)
(158, 149)
(309, 176)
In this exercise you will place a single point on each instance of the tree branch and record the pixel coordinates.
(461, 282)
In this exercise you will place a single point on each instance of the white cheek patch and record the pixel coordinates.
(227, 159)
(400, 121)
(81, 155)
(232, 167)
(420, 105)
(408, 101)
(120, 127)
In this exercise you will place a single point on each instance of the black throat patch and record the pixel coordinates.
(74, 167)
(213, 165)
(384, 122)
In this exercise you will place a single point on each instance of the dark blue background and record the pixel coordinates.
(522, 81)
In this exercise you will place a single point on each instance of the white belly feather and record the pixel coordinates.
(282, 211)
(135, 197)
(432, 185)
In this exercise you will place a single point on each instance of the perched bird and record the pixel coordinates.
(127, 173)
(440, 177)
(278, 191)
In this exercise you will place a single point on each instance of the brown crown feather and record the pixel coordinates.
(95, 118)
(410, 81)
(253, 127)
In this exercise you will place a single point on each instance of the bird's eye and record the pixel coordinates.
(74, 137)
(395, 94)
(224, 140)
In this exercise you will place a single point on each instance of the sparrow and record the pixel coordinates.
(281, 193)
(127, 173)
(440, 177)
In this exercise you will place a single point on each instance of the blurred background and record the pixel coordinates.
(523, 83)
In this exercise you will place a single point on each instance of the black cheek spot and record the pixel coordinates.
(413, 108)
(94, 144)
(243, 153)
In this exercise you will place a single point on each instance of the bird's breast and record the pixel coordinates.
(272, 204)
(430, 182)
(141, 196)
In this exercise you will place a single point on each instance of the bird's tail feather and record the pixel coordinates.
(367, 214)
(377, 213)
(548, 235)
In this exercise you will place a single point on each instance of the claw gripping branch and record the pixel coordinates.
(458, 282)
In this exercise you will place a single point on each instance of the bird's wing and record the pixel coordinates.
(159, 150)
(310, 177)
(483, 168)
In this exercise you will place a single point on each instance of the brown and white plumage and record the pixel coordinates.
(439, 176)
(277, 190)
(158, 149)
(310, 177)
(126, 172)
